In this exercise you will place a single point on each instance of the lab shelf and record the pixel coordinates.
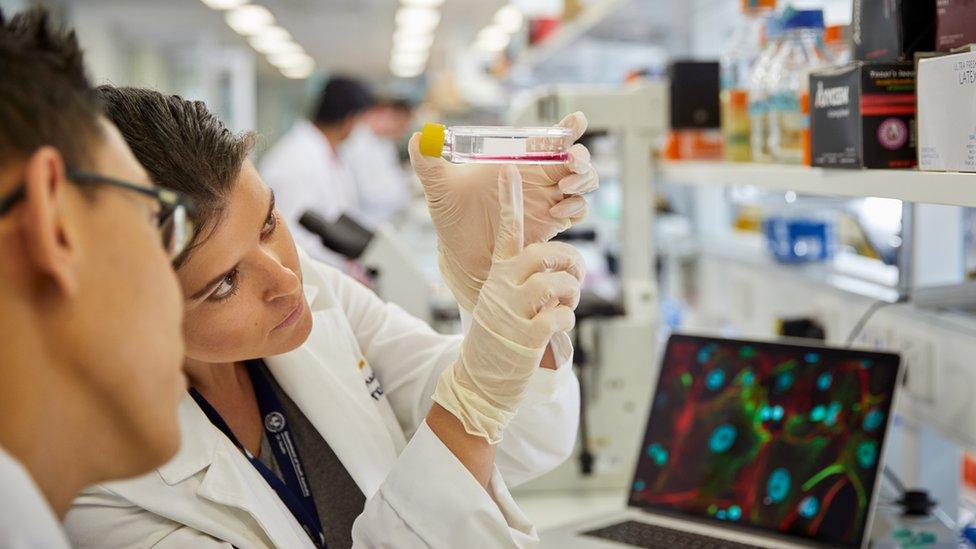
(565, 36)
(954, 189)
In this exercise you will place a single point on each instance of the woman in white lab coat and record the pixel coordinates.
(356, 373)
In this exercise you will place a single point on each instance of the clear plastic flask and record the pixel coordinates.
(497, 144)
(737, 63)
(801, 51)
(758, 93)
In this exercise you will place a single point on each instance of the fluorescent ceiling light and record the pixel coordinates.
(297, 59)
(423, 3)
(224, 4)
(271, 47)
(510, 18)
(297, 73)
(249, 19)
(492, 33)
(411, 47)
(409, 58)
(413, 41)
(493, 43)
(418, 20)
(406, 72)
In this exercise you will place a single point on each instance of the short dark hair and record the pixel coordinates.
(341, 98)
(184, 147)
(46, 98)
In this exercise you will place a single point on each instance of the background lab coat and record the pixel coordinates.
(418, 493)
(382, 184)
(306, 174)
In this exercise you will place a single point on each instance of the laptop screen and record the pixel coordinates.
(778, 437)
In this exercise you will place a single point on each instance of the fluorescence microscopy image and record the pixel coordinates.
(778, 437)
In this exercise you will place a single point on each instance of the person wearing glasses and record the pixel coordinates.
(91, 348)
(310, 419)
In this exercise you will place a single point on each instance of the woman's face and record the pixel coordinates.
(243, 286)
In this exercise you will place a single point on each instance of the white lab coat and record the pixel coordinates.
(26, 519)
(382, 185)
(306, 174)
(418, 493)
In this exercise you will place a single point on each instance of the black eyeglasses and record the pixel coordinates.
(175, 226)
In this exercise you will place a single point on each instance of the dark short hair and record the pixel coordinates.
(341, 98)
(184, 147)
(46, 98)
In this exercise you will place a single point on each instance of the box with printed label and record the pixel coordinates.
(955, 24)
(947, 113)
(862, 115)
(892, 30)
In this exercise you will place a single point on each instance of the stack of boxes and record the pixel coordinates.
(909, 98)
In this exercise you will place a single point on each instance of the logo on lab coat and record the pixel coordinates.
(274, 422)
(372, 384)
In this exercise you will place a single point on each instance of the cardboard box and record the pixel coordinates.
(695, 95)
(955, 24)
(862, 115)
(892, 30)
(947, 113)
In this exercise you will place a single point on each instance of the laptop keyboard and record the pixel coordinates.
(641, 534)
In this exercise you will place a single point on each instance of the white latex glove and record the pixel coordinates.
(463, 203)
(529, 296)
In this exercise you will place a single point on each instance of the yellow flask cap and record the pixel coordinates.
(432, 139)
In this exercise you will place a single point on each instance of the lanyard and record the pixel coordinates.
(293, 490)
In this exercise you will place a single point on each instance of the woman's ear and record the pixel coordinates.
(46, 223)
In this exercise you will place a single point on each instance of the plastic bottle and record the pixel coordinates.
(838, 45)
(497, 144)
(801, 51)
(741, 53)
(758, 94)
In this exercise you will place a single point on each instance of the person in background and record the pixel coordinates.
(371, 152)
(304, 167)
(91, 347)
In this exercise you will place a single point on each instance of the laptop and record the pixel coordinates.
(754, 444)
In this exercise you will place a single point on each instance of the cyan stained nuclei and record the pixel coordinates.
(715, 379)
(867, 453)
(824, 381)
(809, 507)
(873, 420)
(723, 437)
(778, 485)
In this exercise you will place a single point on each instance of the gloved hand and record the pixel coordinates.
(463, 203)
(528, 297)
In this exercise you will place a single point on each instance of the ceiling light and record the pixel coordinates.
(409, 58)
(418, 20)
(422, 3)
(509, 18)
(271, 47)
(294, 59)
(249, 19)
(297, 73)
(493, 43)
(224, 4)
(406, 71)
(492, 33)
(412, 42)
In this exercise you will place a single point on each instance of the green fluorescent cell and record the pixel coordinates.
(712, 509)
(747, 352)
(686, 379)
(748, 378)
(784, 381)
